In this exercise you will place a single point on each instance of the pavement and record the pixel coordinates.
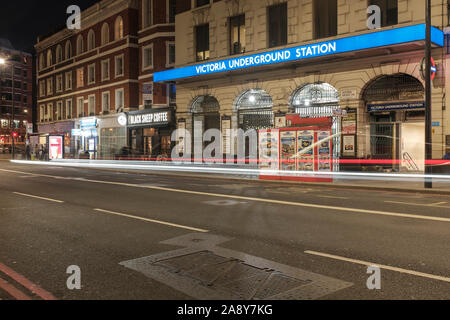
(159, 237)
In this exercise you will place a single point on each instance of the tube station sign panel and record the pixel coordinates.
(343, 45)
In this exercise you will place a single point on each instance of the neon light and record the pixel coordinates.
(349, 44)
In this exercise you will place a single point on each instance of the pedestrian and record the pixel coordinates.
(28, 152)
(447, 156)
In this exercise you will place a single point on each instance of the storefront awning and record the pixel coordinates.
(366, 41)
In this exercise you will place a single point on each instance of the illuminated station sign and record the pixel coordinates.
(343, 45)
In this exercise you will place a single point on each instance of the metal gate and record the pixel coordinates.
(382, 137)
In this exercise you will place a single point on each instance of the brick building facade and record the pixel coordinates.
(88, 79)
(21, 84)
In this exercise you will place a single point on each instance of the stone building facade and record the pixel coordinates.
(370, 83)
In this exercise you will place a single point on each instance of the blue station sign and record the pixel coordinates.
(395, 106)
(343, 45)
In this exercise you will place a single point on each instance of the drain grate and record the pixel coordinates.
(207, 272)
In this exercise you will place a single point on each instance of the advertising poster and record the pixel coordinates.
(349, 123)
(280, 121)
(288, 140)
(324, 150)
(305, 150)
(91, 143)
(56, 145)
(269, 149)
(349, 147)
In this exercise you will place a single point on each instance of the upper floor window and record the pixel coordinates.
(170, 47)
(199, 3)
(41, 61)
(80, 45)
(325, 16)
(277, 24)
(80, 77)
(172, 11)
(91, 40)
(49, 58)
(119, 68)
(147, 56)
(68, 49)
(202, 42)
(105, 34)
(147, 13)
(389, 11)
(59, 54)
(237, 34)
(118, 28)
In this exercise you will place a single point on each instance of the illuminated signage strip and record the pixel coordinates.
(360, 42)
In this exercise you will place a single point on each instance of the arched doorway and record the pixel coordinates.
(396, 114)
(317, 100)
(205, 112)
(254, 110)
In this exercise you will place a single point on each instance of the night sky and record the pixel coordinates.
(21, 21)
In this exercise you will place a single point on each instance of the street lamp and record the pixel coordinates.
(428, 127)
(3, 62)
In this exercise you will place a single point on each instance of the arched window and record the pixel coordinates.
(118, 28)
(41, 61)
(91, 40)
(394, 88)
(59, 54)
(205, 104)
(68, 49)
(315, 100)
(105, 34)
(80, 45)
(254, 109)
(49, 58)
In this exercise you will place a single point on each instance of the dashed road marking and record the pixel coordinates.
(151, 220)
(365, 263)
(37, 197)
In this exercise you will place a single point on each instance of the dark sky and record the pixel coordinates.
(21, 21)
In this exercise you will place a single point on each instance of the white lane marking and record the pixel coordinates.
(152, 221)
(438, 205)
(332, 197)
(365, 263)
(224, 203)
(37, 197)
(288, 203)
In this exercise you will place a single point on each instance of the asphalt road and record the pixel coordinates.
(52, 218)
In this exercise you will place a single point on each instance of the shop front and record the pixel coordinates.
(41, 140)
(86, 138)
(112, 136)
(149, 133)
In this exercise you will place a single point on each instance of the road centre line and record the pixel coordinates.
(288, 203)
(332, 197)
(152, 221)
(37, 197)
(369, 264)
